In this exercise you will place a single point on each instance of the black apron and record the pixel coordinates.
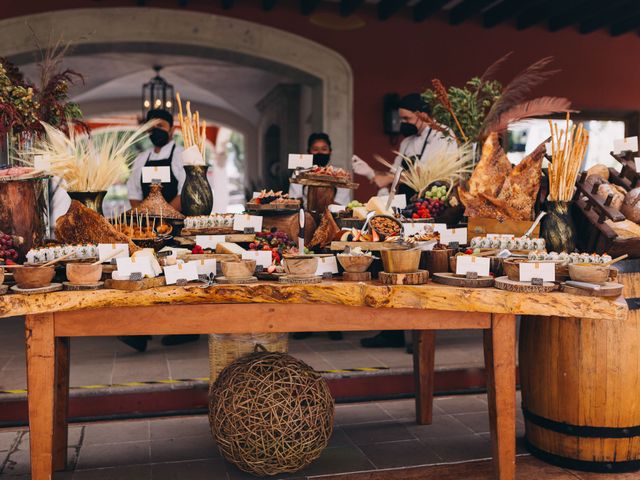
(169, 190)
(405, 189)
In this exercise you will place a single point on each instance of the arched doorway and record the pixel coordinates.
(139, 30)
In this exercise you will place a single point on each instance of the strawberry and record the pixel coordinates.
(415, 216)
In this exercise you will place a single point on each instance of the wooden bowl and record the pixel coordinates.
(84, 273)
(589, 272)
(33, 277)
(437, 261)
(301, 265)
(238, 268)
(391, 221)
(400, 261)
(355, 263)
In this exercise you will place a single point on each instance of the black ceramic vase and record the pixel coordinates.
(92, 200)
(557, 228)
(196, 197)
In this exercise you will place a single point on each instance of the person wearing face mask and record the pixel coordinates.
(319, 145)
(419, 140)
(164, 153)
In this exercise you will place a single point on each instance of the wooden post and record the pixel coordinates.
(41, 386)
(500, 365)
(60, 430)
(424, 352)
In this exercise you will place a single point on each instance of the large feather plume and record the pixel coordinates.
(537, 107)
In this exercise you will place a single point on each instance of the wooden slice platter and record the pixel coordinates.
(275, 276)
(356, 276)
(73, 287)
(236, 281)
(460, 281)
(503, 283)
(134, 285)
(312, 182)
(415, 278)
(300, 280)
(188, 232)
(53, 287)
(372, 246)
(609, 289)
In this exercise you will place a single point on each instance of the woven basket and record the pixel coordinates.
(224, 349)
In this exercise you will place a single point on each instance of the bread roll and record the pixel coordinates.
(631, 205)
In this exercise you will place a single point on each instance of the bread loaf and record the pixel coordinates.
(631, 205)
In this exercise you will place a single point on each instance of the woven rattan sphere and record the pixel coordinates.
(270, 413)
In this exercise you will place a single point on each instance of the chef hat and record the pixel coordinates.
(414, 103)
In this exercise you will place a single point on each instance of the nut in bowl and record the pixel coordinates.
(84, 273)
(238, 269)
(300, 265)
(589, 273)
(401, 261)
(33, 277)
(355, 263)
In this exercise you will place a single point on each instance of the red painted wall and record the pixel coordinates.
(398, 55)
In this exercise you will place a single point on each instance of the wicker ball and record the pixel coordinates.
(270, 413)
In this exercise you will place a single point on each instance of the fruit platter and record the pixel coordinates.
(324, 177)
(437, 204)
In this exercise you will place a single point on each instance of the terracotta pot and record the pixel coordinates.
(355, 263)
(400, 261)
(301, 265)
(33, 277)
(238, 268)
(84, 273)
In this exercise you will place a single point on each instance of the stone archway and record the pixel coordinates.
(199, 34)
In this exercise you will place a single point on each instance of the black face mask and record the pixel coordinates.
(408, 129)
(159, 137)
(321, 159)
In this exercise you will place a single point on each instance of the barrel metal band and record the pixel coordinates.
(633, 303)
(584, 465)
(581, 430)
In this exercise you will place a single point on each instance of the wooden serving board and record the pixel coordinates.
(236, 281)
(459, 281)
(134, 285)
(416, 278)
(373, 246)
(190, 232)
(53, 287)
(300, 280)
(220, 257)
(272, 207)
(72, 287)
(503, 283)
(356, 276)
(609, 289)
(324, 183)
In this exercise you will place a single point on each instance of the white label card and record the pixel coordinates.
(399, 201)
(256, 194)
(107, 251)
(209, 241)
(637, 162)
(242, 221)
(205, 266)
(41, 163)
(333, 208)
(471, 263)
(439, 227)
(629, 144)
(182, 271)
(300, 160)
(327, 264)
(414, 228)
(544, 270)
(262, 257)
(127, 266)
(454, 235)
(149, 174)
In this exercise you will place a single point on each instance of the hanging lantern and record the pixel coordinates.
(157, 93)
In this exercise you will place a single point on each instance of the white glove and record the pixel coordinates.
(360, 167)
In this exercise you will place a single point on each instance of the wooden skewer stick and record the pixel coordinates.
(617, 259)
(106, 259)
(56, 260)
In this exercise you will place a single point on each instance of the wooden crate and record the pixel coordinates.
(480, 227)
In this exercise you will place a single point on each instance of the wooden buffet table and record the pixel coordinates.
(51, 319)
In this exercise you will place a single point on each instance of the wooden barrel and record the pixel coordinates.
(580, 383)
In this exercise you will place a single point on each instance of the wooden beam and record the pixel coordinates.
(348, 7)
(388, 8)
(533, 15)
(466, 9)
(226, 4)
(502, 11)
(268, 5)
(628, 24)
(614, 12)
(307, 7)
(425, 8)
(569, 12)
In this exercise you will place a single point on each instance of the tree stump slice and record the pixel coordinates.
(73, 287)
(356, 276)
(609, 289)
(503, 283)
(415, 278)
(237, 281)
(134, 285)
(54, 287)
(300, 280)
(454, 280)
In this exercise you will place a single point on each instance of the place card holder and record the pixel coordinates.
(181, 282)
(454, 245)
(327, 275)
(471, 276)
(166, 253)
(537, 281)
(249, 230)
(259, 269)
(135, 276)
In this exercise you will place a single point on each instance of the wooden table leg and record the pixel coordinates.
(41, 387)
(60, 431)
(500, 365)
(424, 351)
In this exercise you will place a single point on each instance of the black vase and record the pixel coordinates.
(92, 200)
(196, 197)
(557, 228)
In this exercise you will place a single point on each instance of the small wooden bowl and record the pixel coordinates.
(437, 261)
(34, 277)
(301, 265)
(355, 263)
(84, 273)
(589, 272)
(238, 268)
(401, 261)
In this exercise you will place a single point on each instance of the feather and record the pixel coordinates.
(518, 89)
(490, 72)
(537, 107)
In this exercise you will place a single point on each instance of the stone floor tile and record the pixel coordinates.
(116, 432)
(478, 422)
(461, 403)
(339, 460)
(7, 439)
(456, 449)
(175, 427)
(368, 433)
(192, 368)
(234, 473)
(212, 469)
(400, 454)
(184, 448)
(113, 455)
(442, 426)
(339, 438)
(360, 413)
(133, 472)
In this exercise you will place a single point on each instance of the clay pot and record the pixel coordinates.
(84, 273)
(401, 261)
(238, 268)
(355, 263)
(33, 277)
(589, 272)
(301, 265)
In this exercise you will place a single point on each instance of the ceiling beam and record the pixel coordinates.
(570, 12)
(387, 8)
(268, 5)
(348, 7)
(467, 9)
(226, 4)
(612, 14)
(425, 8)
(503, 11)
(307, 7)
(533, 15)
(626, 25)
